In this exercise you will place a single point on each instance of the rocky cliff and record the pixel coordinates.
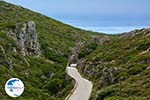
(26, 38)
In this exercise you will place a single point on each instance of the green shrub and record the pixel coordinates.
(105, 93)
(115, 98)
(104, 57)
(144, 45)
(135, 69)
(54, 86)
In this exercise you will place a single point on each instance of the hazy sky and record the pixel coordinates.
(93, 13)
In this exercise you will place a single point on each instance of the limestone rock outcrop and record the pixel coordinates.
(144, 32)
(108, 76)
(26, 37)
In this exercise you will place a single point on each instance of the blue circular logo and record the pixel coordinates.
(14, 87)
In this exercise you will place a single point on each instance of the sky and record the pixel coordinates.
(110, 16)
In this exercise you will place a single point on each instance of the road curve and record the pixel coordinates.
(83, 87)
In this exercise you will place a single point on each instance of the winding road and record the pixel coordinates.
(83, 87)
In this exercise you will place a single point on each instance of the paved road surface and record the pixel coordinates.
(82, 89)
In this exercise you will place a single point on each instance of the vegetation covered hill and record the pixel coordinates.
(118, 66)
(35, 49)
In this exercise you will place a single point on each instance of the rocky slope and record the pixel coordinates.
(118, 66)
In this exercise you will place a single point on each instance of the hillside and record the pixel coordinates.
(35, 48)
(119, 66)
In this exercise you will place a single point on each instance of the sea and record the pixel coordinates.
(108, 26)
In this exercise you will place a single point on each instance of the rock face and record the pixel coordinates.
(144, 31)
(108, 76)
(104, 40)
(26, 37)
(101, 41)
